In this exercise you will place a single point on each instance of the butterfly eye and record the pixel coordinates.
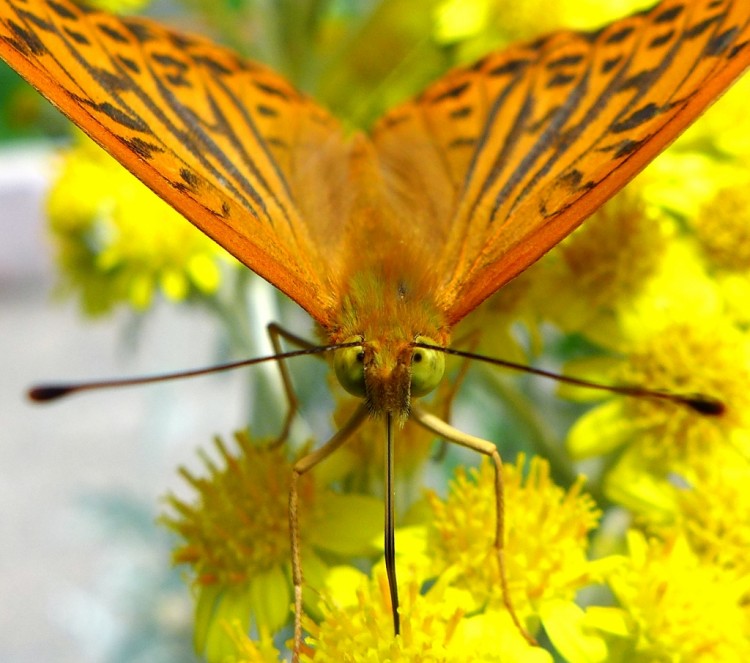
(427, 368)
(349, 364)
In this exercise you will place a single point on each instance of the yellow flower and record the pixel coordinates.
(236, 538)
(493, 328)
(470, 28)
(457, 20)
(714, 512)
(434, 628)
(546, 530)
(118, 6)
(698, 355)
(250, 651)
(722, 229)
(118, 242)
(600, 269)
(722, 131)
(681, 608)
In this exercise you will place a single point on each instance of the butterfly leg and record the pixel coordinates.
(275, 334)
(439, 427)
(302, 466)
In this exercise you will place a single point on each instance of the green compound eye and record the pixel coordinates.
(349, 364)
(427, 368)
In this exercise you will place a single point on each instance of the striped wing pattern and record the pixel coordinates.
(219, 138)
(496, 162)
(517, 150)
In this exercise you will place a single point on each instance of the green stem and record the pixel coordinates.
(234, 310)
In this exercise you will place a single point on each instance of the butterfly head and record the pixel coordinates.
(388, 376)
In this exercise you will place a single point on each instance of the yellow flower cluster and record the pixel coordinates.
(436, 628)
(235, 539)
(117, 242)
(549, 566)
(679, 606)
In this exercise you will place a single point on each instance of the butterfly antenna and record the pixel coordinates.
(49, 392)
(701, 403)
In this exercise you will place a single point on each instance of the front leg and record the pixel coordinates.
(275, 333)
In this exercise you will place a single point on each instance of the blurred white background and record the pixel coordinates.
(84, 569)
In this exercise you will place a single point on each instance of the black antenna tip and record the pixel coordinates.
(705, 405)
(49, 392)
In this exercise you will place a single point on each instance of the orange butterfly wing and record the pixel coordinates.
(226, 142)
(514, 152)
(501, 159)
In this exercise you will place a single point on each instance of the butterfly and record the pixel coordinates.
(387, 239)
